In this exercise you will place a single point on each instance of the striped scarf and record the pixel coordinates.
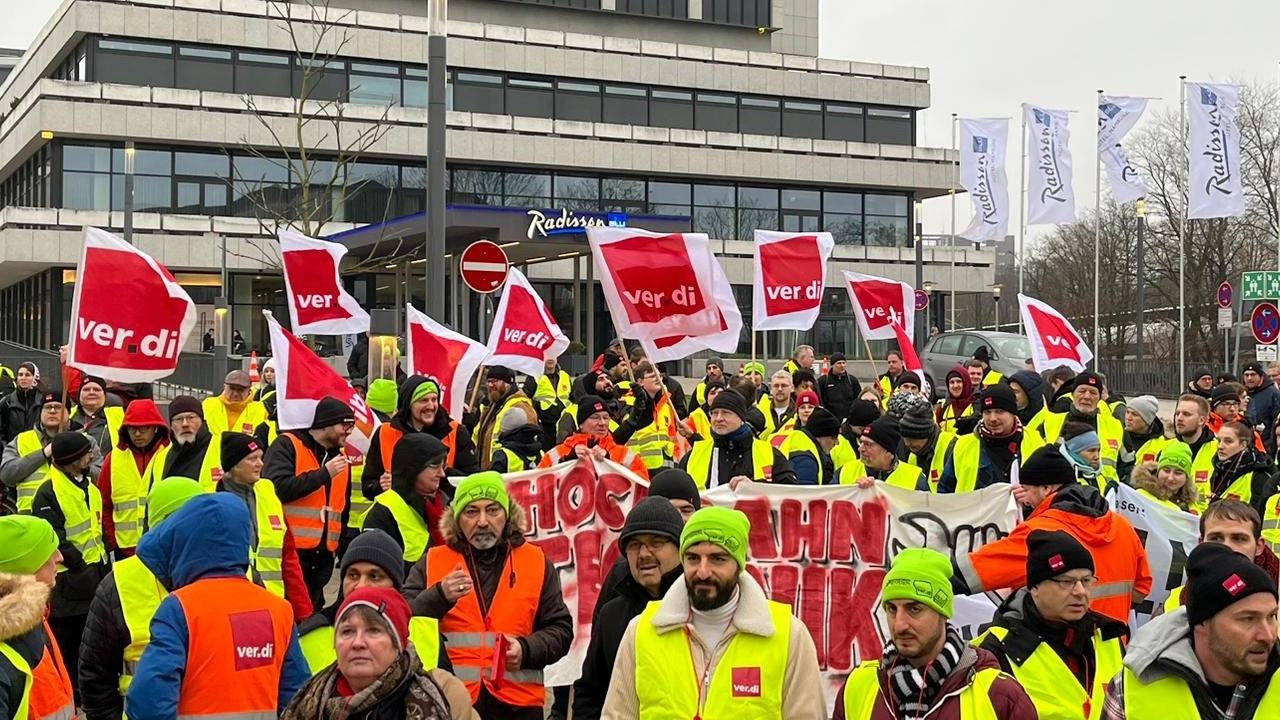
(914, 690)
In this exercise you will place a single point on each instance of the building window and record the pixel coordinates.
(761, 116)
(415, 87)
(713, 211)
(801, 210)
(890, 126)
(577, 101)
(531, 190)
(656, 8)
(576, 4)
(320, 80)
(263, 74)
(200, 68)
(152, 180)
(625, 195)
(801, 119)
(374, 84)
(370, 193)
(886, 220)
(842, 216)
(476, 187)
(626, 105)
(530, 97)
(843, 122)
(579, 194)
(671, 108)
(478, 92)
(716, 112)
(757, 210)
(669, 198)
(260, 186)
(200, 181)
(751, 13)
(133, 63)
(86, 177)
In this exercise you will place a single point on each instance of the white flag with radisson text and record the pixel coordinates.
(1050, 197)
(983, 147)
(1215, 189)
(1116, 117)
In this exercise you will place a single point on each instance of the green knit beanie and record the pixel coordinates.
(754, 367)
(1176, 454)
(383, 395)
(167, 496)
(427, 387)
(720, 526)
(922, 575)
(26, 544)
(481, 486)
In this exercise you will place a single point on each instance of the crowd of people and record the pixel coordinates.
(181, 564)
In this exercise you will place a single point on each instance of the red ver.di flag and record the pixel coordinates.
(318, 304)
(724, 339)
(524, 334)
(656, 285)
(303, 380)
(791, 270)
(880, 302)
(1054, 341)
(449, 357)
(129, 317)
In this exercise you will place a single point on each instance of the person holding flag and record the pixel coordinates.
(594, 439)
(650, 429)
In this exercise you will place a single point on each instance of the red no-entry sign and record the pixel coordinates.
(484, 266)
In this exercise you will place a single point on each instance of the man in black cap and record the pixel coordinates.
(313, 478)
(1214, 658)
(1086, 398)
(907, 380)
(273, 552)
(1264, 403)
(507, 409)
(878, 458)
(193, 452)
(861, 414)
(986, 456)
(650, 543)
(69, 500)
(594, 438)
(838, 388)
(24, 465)
(734, 451)
(1045, 635)
(1224, 404)
(715, 372)
(808, 448)
(927, 446)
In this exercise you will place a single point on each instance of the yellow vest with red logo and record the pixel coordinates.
(941, 452)
(215, 416)
(699, 466)
(210, 468)
(1110, 433)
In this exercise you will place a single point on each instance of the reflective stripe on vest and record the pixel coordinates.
(28, 443)
(546, 396)
(140, 596)
(215, 416)
(414, 533)
(316, 519)
(655, 443)
(1202, 473)
(388, 436)
(471, 636)
(966, 457)
(266, 556)
(1051, 685)
(21, 665)
(318, 648)
(484, 449)
(1169, 698)
(699, 466)
(1110, 434)
(1271, 522)
(799, 442)
(128, 497)
(82, 514)
(862, 691)
(241, 634)
(746, 683)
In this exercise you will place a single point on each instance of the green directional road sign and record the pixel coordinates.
(1261, 285)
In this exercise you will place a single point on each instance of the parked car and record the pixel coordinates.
(1008, 351)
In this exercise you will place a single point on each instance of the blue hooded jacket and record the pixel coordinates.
(208, 538)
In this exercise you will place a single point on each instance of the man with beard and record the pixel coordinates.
(25, 463)
(123, 480)
(192, 454)
(750, 656)
(1143, 435)
(1086, 394)
(1264, 403)
(1061, 652)
(650, 543)
(1215, 658)
(838, 388)
(733, 455)
(927, 669)
(986, 456)
(508, 409)
(496, 596)
(1239, 527)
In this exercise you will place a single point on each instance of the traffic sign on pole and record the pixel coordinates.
(1265, 322)
(922, 300)
(1225, 295)
(484, 266)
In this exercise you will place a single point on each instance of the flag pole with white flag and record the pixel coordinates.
(1022, 209)
(1050, 196)
(1097, 239)
(955, 124)
(1116, 117)
(1182, 245)
(983, 149)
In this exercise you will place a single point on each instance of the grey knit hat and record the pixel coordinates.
(378, 548)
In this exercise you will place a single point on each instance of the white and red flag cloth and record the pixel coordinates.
(303, 380)
(524, 334)
(910, 360)
(318, 304)
(656, 284)
(878, 303)
(1054, 341)
(791, 271)
(129, 317)
(723, 338)
(449, 357)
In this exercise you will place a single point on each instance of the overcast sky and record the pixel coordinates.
(987, 57)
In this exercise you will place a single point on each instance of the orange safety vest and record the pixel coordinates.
(318, 515)
(624, 456)
(238, 636)
(389, 436)
(51, 696)
(472, 635)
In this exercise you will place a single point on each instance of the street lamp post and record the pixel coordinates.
(437, 71)
(995, 293)
(928, 292)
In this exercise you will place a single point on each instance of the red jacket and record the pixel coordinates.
(142, 413)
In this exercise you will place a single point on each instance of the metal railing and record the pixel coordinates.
(1147, 377)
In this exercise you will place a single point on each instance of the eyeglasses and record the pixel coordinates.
(348, 424)
(655, 545)
(1069, 584)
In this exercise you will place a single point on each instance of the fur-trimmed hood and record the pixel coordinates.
(22, 603)
(517, 526)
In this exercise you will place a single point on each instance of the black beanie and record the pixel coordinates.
(1087, 379)
(411, 454)
(69, 447)
(1218, 577)
(52, 395)
(1046, 466)
(498, 372)
(731, 401)
(904, 377)
(836, 357)
(1222, 393)
(102, 384)
(236, 447)
(1051, 553)
(590, 405)
(998, 397)
(185, 404)
(862, 413)
(883, 432)
(331, 411)
(378, 548)
(652, 516)
(675, 484)
(822, 423)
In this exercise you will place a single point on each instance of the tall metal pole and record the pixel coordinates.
(1182, 242)
(955, 181)
(1097, 247)
(437, 64)
(921, 330)
(129, 152)
(1022, 213)
(1141, 289)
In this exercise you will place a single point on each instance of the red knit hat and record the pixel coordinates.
(388, 603)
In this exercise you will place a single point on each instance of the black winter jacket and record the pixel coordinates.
(837, 392)
(735, 459)
(19, 410)
(106, 635)
(280, 461)
(76, 587)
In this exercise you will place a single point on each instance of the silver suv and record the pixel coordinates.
(1008, 351)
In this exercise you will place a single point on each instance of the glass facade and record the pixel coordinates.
(751, 13)
(678, 9)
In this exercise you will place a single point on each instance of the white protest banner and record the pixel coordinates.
(1168, 535)
(1116, 117)
(1050, 197)
(1215, 188)
(983, 146)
